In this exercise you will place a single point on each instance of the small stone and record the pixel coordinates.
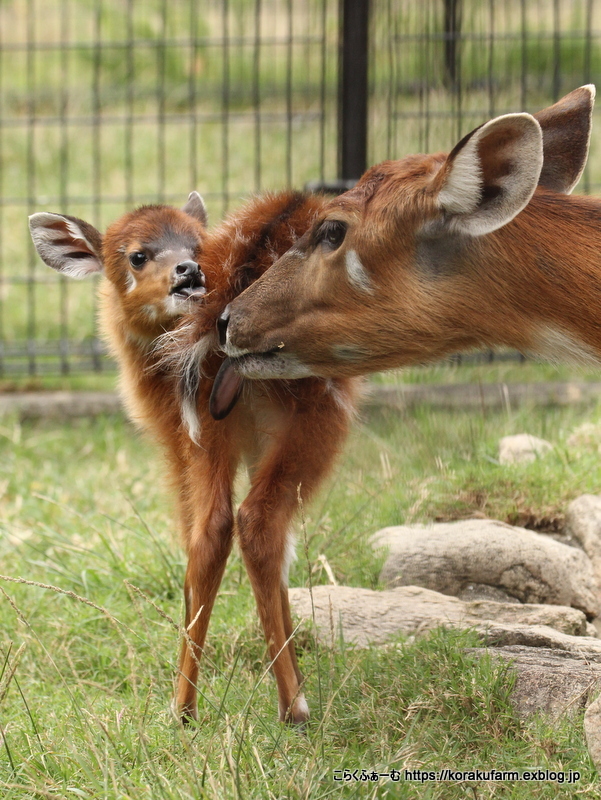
(522, 449)
(583, 523)
(585, 437)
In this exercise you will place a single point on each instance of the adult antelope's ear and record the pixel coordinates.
(566, 130)
(67, 244)
(196, 208)
(492, 173)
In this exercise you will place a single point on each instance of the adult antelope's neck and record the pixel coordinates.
(539, 279)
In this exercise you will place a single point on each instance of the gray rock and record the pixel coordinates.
(365, 617)
(592, 730)
(448, 557)
(585, 437)
(522, 449)
(554, 682)
(583, 523)
(556, 661)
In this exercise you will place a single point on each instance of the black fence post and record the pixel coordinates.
(353, 89)
(452, 32)
(353, 95)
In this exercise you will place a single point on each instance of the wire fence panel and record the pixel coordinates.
(106, 104)
(439, 68)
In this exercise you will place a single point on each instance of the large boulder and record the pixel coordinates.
(364, 616)
(553, 682)
(451, 557)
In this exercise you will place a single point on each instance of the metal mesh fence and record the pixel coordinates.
(105, 104)
(439, 69)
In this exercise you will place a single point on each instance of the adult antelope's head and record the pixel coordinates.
(384, 278)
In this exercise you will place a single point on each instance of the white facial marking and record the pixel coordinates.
(131, 283)
(349, 352)
(356, 272)
(174, 306)
(555, 345)
(150, 312)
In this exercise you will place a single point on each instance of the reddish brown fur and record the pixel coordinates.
(289, 433)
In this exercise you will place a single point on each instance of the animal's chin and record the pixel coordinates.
(260, 366)
(176, 304)
(185, 294)
(254, 366)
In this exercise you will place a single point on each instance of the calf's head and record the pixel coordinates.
(149, 258)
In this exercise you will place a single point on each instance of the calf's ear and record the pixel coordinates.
(67, 244)
(195, 207)
(490, 176)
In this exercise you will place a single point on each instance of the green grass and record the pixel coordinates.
(86, 674)
(84, 382)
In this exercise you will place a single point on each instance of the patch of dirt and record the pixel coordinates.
(12, 387)
(553, 524)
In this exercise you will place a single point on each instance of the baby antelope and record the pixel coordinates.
(166, 283)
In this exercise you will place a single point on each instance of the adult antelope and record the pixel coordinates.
(434, 254)
(287, 434)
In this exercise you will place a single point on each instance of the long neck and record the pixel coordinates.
(539, 280)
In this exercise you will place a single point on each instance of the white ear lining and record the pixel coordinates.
(77, 234)
(462, 192)
(48, 239)
(461, 196)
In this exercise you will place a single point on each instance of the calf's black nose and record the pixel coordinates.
(222, 322)
(190, 269)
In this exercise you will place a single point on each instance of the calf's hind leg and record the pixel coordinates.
(300, 456)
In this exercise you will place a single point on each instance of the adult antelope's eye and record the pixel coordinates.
(137, 260)
(332, 233)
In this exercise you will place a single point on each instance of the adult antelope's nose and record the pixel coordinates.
(222, 323)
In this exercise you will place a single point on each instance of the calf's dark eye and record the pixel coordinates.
(137, 260)
(332, 234)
